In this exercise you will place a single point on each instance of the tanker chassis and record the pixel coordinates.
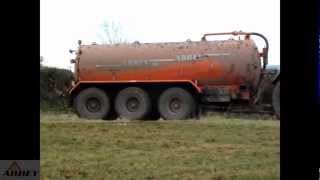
(172, 80)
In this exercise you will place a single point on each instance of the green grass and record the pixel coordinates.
(213, 147)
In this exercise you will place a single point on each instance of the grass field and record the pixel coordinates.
(213, 147)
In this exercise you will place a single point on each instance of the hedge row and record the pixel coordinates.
(53, 82)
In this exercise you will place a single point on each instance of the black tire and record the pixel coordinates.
(92, 103)
(133, 103)
(276, 100)
(176, 103)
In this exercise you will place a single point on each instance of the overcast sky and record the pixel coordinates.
(64, 22)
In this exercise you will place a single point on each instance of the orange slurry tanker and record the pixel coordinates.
(172, 80)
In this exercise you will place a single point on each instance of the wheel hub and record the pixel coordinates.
(93, 105)
(133, 104)
(175, 105)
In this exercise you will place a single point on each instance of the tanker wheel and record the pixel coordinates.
(92, 103)
(133, 103)
(176, 103)
(276, 100)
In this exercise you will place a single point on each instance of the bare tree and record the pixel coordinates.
(111, 33)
